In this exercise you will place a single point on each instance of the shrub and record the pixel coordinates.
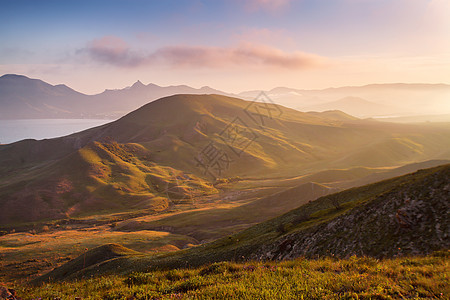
(284, 227)
(174, 275)
(185, 286)
(219, 268)
(114, 295)
(300, 219)
(140, 278)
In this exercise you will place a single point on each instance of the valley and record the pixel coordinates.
(391, 207)
(142, 182)
(254, 149)
(32, 249)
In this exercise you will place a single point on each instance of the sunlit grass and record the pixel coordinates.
(328, 278)
(24, 255)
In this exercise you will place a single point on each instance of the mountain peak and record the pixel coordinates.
(138, 84)
(13, 77)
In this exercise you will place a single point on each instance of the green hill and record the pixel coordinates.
(400, 216)
(175, 148)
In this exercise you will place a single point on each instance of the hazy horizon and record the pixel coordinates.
(237, 92)
(31, 98)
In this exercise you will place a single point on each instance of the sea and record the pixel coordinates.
(15, 130)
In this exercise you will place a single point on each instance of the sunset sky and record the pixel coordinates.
(230, 45)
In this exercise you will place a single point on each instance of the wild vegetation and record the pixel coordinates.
(295, 189)
(326, 278)
(314, 229)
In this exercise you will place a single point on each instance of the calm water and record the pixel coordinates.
(16, 130)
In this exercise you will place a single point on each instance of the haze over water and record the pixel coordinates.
(15, 130)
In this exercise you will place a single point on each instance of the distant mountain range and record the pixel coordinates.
(25, 98)
(355, 106)
(393, 100)
(170, 149)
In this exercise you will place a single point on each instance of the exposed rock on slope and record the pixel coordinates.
(412, 218)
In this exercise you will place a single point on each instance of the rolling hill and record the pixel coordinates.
(405, 215)
(176, 148)
(215, 222)
(355, 106)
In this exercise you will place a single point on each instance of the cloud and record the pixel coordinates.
(268, 5)
(114, 51)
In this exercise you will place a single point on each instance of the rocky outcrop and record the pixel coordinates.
(412, 219)
(8, 294)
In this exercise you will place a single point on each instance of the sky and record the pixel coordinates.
(231, 45)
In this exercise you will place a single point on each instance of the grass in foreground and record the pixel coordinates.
(327, 278)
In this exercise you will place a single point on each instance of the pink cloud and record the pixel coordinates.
(269, 5)
(114, 51)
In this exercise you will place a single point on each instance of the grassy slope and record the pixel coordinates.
(37, 254)
(25, 256)
(342, 178)
(352, 278)
(216, 222)
(266, 240)
(122, 163)
(210, 224)
(100, 177)
(399, 171)
(28, 255)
